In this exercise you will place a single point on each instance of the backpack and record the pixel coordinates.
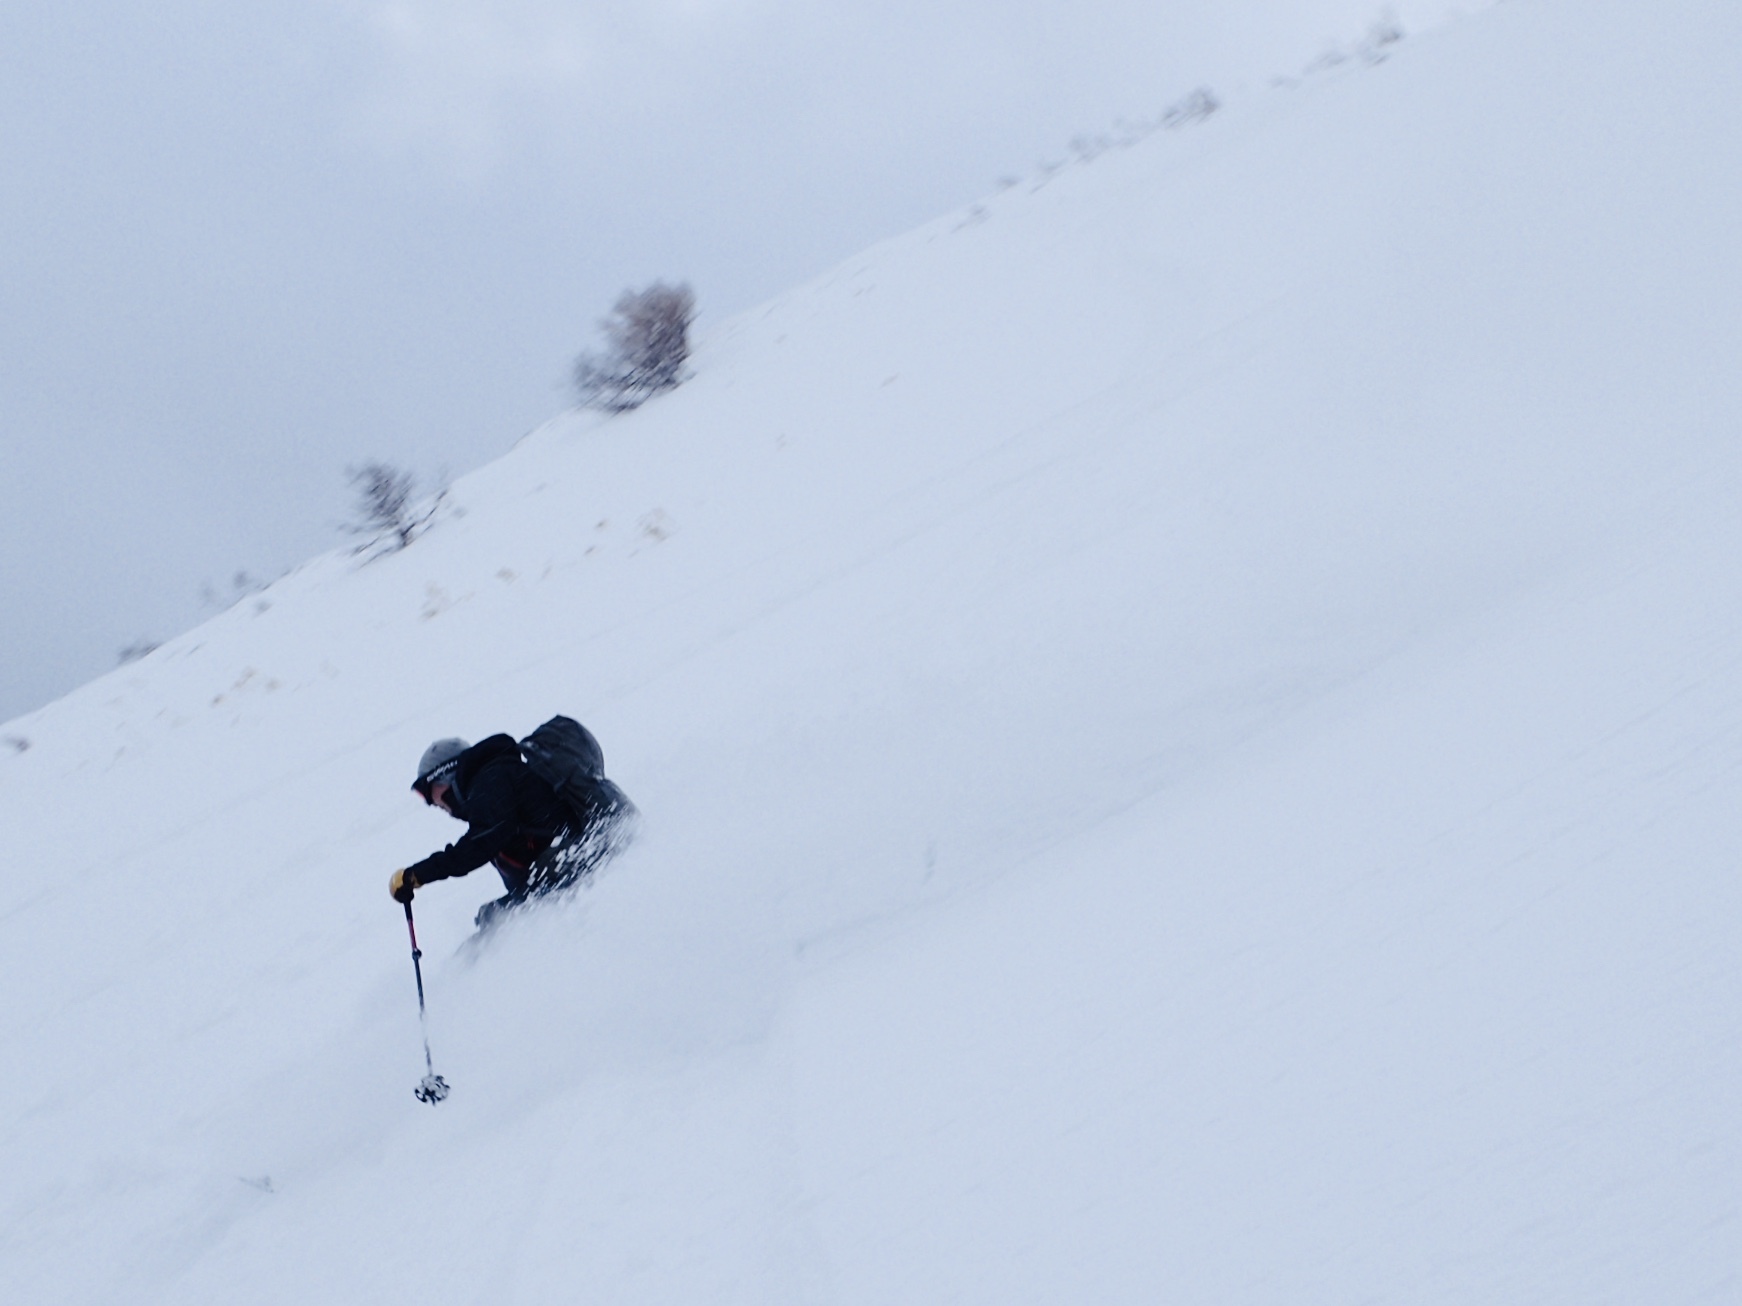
(563, 752)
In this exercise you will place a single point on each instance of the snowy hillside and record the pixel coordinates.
(1189, 720)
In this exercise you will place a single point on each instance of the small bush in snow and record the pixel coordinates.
(136, 650)
(387, 509)
(242, 584)
(1089, 148)
(1184, 112)
(647, 343)
(1385, 32)
(1193, 108)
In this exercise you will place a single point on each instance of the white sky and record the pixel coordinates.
(242, 247)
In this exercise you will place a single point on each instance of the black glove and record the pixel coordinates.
(402, 886)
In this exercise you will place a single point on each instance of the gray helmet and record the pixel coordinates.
(438, 762)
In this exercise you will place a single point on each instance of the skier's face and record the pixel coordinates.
(438, 797)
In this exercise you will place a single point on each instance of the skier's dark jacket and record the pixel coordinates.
(513, 816)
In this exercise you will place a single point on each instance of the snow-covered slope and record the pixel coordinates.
(1189, 721)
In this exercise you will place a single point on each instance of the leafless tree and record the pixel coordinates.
(387, 509)
(647, 338)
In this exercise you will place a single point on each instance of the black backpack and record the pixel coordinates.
(563, 753)
(562, 750)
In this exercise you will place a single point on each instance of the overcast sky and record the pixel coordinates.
(245, 246)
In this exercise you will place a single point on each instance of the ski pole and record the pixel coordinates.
(433, 1088)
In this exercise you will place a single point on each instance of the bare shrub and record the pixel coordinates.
(647, 340)
(1193, 108)
(1187, 111)
(1088, 148)
(1385, 31)
(387, 510)
(137, 649)
(242, 585)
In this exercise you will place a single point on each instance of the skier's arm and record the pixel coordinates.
(491, 808)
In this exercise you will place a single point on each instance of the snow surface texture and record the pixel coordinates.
(1189, 721)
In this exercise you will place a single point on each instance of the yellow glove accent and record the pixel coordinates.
(402, 885)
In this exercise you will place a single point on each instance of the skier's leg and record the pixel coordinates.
(553, 868)
(493, 911)
(572, 857)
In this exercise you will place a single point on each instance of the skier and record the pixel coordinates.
(541, 811)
